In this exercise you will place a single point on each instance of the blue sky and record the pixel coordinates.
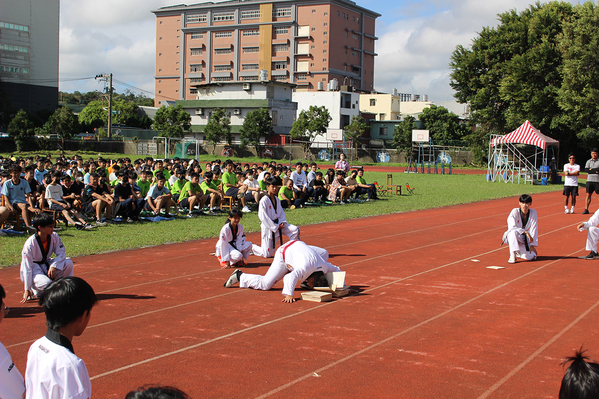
(416, 39)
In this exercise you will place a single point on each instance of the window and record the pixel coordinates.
(355, 36)
(275, 116)
(10, 47)
(355, 53)
(223, 16)
(325, 33)
(280, 65)
(313, 11)
(249, 67)
(372, 102)
(324, 51)
(195, 68)
(250, 78)
(222, 51)
(223, 34)
(197, 51)
(312, 46)
(326, 24)
(281, 31)
(280, 47)
(326, 13)
(281, 12)
(247, 50)
(383, 131)
(324, 68)
(302, 77)
(252, 32)
(14, 69)
(193, 90)
(195, 36)
(324, 60)
(313, 29)
(22, 28)
(324, 42)
(337, 13)
(222, 79)
(195, 80)
(220, 68)
(354, 19)
(280, 78)
(312, 64)
(343, 15)
(250, 14)
(195, 18)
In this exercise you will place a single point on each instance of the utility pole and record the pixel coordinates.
(108, 79)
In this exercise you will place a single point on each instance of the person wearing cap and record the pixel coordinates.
(38, 269)
(273, 222)
(294, 262)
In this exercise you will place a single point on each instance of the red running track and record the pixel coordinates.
(428, 320)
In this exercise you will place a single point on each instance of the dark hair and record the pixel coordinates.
(594, 149)
(43, 219)
(65, 300)
(2, 294)
(525, 198)
(29, 168)
(15, 168)
(270, 181)
(192, 175)
(57, 174)
(319, 279)
(581, 380)
(157, 393)
(319, 173)
(160, 176)
(313, 164)
(208, 175)
(235, 213)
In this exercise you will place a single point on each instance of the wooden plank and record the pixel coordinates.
(315, 296)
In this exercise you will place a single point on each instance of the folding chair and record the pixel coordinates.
(410, 189)
(379, 189)
(391, 188)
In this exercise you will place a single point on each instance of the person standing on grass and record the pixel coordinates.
(12, 385)
(38, 269)
(53, 369)
(592, 168)
(342, 164)
(522, 235)
(571, 171)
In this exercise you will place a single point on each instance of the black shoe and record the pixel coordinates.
(234, 279)
(592, 255)
(585, 212)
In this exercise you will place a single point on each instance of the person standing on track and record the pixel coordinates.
(522, 235)
(592, 168)
(571, 171)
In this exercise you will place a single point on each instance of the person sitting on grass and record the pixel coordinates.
(581, 380)
(288, 196)
(38, 269)
(522, 235)
(56, 202)
(53, 369)
(232, 249)
(96, 200)
(212, 191)
(295, 262)
(18, 197)
(318, 188)
(128, 201)
(159, 197)
(192, 195)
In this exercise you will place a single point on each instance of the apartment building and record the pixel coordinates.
(307, 43)
(29, 53)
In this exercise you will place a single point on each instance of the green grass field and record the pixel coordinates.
(432, 191)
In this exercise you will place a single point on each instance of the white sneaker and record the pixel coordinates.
(512, 259)
(572, 210)
(566, 211)
(246, 209)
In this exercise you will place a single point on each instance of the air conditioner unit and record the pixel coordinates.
(199, 111)
(237, 111)
(247, 86)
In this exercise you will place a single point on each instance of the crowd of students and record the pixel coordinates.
(93, 193)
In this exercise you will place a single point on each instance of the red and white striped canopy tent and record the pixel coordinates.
(527, 134)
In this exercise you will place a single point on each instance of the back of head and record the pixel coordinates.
(65, 300)
(157, 393)
(581, 380)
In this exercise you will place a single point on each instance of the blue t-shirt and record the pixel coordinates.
(16, 192)
(155, 192)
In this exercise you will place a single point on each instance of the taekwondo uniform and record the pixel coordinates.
(35, 263)
(271, 215)
(294, 262)
(54, 371)
(515, 237)
(232, 246)
(593, 232)
(12, 385)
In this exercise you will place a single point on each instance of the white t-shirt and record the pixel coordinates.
(12, 385)
(53, 192)
(251, 183)
(54, 372)
(571, 180)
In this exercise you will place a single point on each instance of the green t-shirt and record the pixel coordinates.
(360, 180)
(262, 185)
(204, 186)
(288, 193)
(144, 186)
(229, 178)
(189, 186)
(165, 172)
(178, 186)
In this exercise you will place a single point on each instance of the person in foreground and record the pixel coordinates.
(592, 234)
(158, 392)
(12, 385)
(37, 268)
(581, 380)
(522, 233)
(294, 262)
(53, 369)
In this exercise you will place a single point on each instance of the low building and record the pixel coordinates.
(239, 98)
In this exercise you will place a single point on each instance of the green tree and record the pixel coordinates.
(511, 72)
(355, 130)
(402, 136)
(443, 125)
(218, 128)
(129, 114)
(64, 123)
(21, 130)
(93, 115)
(172, 121)
(257, 124)
(310, 123)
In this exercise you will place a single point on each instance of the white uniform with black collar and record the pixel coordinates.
(54, 372)
(232, 253)
(294, 262)
(514, 235)
(268, 226)
(12, 385)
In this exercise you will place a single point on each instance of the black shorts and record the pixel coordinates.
(56, 207)
(571, 191)
(184, 203)
(592, 187)
(89, 209)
